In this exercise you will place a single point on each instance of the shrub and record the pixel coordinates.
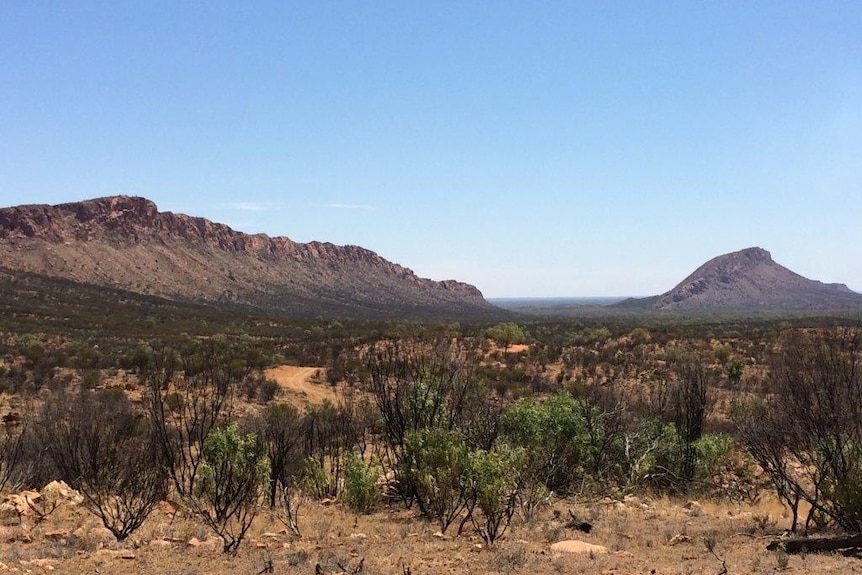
(734, 370)
(104, 450)
(713, 453)
(231, 482)
(493, 478)
(268, 390)
(430, 388)
(316, 480)
(360, 483)
(279, 427)
(188, 395)
(689, 401)
(11, 454)
(506, 334)
(435, 463)
(807, 436)
(91, 378)
(566, 441)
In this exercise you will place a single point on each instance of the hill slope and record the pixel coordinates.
(748, 280)
(126, 243)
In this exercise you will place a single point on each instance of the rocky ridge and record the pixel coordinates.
(744, 281)
(126, 242)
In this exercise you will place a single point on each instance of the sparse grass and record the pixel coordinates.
(635, 534)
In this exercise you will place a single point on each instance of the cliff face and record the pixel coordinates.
(125, 242)
(748, 280)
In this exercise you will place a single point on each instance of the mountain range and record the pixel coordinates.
(126, 243)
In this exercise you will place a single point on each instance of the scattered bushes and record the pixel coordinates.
(456, 450)
(807, 433)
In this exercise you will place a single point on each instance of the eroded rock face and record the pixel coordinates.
(748, 280)
(126, 242)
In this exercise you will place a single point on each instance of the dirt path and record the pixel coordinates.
(296, 383)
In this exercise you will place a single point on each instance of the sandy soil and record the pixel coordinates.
(299, 387)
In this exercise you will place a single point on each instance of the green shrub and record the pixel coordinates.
(734, 369)
(360, 483)
(232, 478)
(435, 464)
(493, 478)
(713, 454)
(315, 480)
(565, 440)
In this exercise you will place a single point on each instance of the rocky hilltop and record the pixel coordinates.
(748, 280)
(127, 243)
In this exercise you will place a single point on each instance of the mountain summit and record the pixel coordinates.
(127, 243)
(748, 280)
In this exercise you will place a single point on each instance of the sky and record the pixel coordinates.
(533, 149)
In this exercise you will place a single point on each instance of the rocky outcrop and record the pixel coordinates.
(748, 280)
(126, 242)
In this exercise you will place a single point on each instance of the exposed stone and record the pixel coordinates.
(577, 546)
(748, 280)
(213, 543)
(693, 508)
(125, 242)
(680, 538)
(9, 515)
(101, 537)
(23, 501)
(60, 490)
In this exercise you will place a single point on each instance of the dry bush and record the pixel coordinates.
(807, 434)
(102, 448)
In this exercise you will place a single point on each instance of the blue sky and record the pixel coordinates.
(529, 148)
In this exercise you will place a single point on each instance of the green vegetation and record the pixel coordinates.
(360, 483)
(232, 479)
(459, 431)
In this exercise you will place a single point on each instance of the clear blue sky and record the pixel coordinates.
(530, 148)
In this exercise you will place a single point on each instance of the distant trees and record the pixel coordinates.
(506, 334)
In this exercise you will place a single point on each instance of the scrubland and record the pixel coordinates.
(407, 448)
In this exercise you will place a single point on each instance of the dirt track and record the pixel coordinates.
(296, 383)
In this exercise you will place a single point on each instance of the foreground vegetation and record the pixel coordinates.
(477, 430)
